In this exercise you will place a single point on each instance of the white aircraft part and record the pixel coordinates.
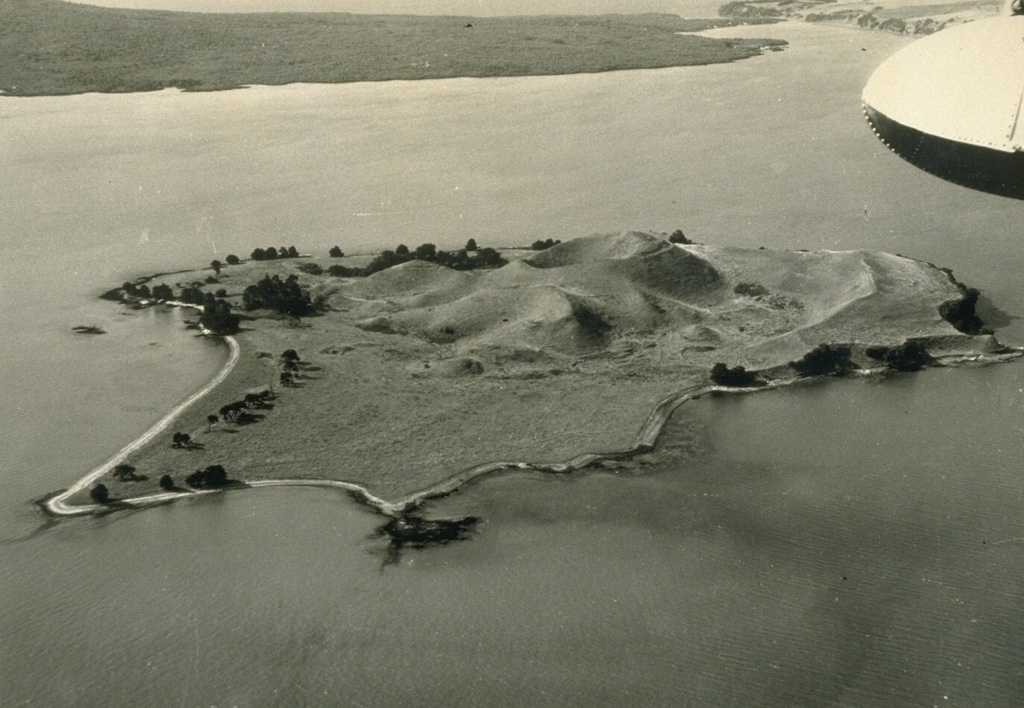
(965, 84)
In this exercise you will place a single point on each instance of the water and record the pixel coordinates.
(855, 543)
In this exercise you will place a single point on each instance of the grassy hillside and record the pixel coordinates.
(49, 47)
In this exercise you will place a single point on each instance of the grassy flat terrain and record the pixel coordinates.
(418, 372)
(48, 47)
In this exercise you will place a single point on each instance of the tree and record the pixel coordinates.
(211, 420)
(258, 254)
(471, 244)
(542, 245)
(212, 477)
(100, 494)
(724, 376)
(910, 356)
(232, 259)
(336, 252)
(825, 360)
(166, 483)
(488, 258)
(218, 318)
(163, 292)
(401, 250)
(290, 355)
(216, 265)
(192, 295)
(678, 237)
(281, 296)
(292, 252)
(180, 440)
(426, 252)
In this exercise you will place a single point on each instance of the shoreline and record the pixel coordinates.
(58, 506)
(645, 441)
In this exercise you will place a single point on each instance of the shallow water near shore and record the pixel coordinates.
(856, 543)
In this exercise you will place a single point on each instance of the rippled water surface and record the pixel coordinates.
(855, 544)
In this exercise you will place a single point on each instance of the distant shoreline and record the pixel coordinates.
(52, 48)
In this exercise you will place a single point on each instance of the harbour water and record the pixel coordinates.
(854, 544)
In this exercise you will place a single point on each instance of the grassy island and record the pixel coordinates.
(49, 47)
(419, 373)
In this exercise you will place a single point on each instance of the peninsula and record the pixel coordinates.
(401, 382)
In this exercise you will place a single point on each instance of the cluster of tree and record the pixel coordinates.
(679, 237)
(273, 254)
(282, 296)
(547, 243)
(469, 258)
(336, 252)
(163, 291)
(737, 376)
(238, 411)
(290, 365)
(909, 356)
(141, 290)
(192, 294)
(825, 360)
(311, 268)
(212, 477)
(217, 316)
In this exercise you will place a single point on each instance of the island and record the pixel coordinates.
(401, 376)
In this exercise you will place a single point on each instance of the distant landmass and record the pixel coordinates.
(899, 16)
(49, 47)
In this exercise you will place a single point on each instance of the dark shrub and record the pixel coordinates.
(212, 477)
(311, 268)
(824, 360)
(218, 318)
(738, 376)
(910, 356)
(541, 245)
(960, 313)
(678, 237)
(750, 289)
(163, 292)
(100, 494)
